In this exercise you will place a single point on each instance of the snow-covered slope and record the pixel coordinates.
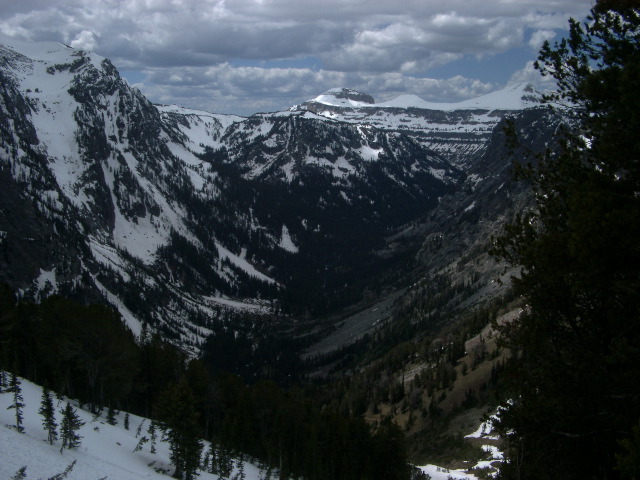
(106, 451)
(110, 185)
(199, 128)
(182, 219)
(458, 131)
(513, 97)
(113, 452)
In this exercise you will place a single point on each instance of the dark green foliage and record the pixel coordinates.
(160, 366)
(69, 428)
(253, 349)
(284, 430)
(289, 433)
(140, 443)
(48, 411)
(17, 404)
(240, 475)
(176, 410)
(85, 352)
(577, 383)
(64, 474)
(152, 436)
(94, 345)
(221, 461)
(139, 429)
(20, 474)
(111, 416)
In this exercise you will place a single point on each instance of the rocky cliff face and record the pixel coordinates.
(184, 219)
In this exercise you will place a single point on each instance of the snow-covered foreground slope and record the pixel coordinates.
(106, 452)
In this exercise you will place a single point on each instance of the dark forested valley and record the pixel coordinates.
(322, 291)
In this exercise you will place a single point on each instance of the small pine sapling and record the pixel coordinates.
(213, 466)
(240, 474)
(111, 416)
(18, 405)
(71, 423)
(20, 474)
(47, 411)
(139, 429)
(140, 443)
(152, 436)
(65, 474)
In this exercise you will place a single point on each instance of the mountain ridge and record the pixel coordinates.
(184, 219)
(515, 96)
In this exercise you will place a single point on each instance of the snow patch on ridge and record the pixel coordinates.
(286, 242)
(512, 97)
(370, 154)
(127, 315)
(47, 282)
(241, 262)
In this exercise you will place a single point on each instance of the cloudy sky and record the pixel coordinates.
(247, 56)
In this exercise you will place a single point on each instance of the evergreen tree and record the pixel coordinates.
(111, 416)
(225, 462)
(139, 429)
(126, 421)
(64, 474)
(17, 404)
(177, 411)
(213, 458)
(69, 427)
(20, 474)
(152, 436)
(577, 382)
(47, 411)
(140, 443)
(240, 474)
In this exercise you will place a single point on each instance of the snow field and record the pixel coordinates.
(106, 451)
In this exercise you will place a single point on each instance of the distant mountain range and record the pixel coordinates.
(185, 220)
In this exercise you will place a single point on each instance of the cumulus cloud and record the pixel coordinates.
(539, 37)
(345, 29)
(528, 74)
(85, 40)
(247, 90)
(233, 50)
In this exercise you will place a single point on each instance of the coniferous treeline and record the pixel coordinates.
(575, 409)
(417, 381)
(86, 352)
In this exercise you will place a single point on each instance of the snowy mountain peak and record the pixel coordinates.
(512, 97)
(344, 97)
